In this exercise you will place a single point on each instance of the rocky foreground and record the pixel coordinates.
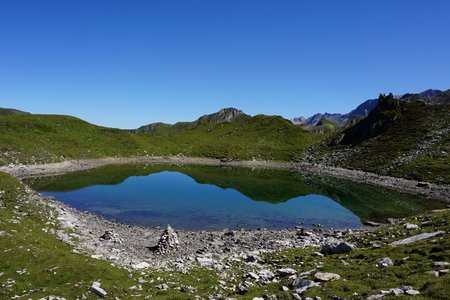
(244, 256)
(51, 251)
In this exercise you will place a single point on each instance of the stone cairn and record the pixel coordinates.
(168, 241)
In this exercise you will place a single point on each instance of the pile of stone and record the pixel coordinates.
(168, 241)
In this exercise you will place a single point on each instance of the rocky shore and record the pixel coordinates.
(297, 261)
(139, 247)
(408, 257)
(429, 190)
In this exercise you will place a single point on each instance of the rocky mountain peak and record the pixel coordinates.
(228, 114)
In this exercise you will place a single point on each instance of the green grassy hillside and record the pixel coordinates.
(48, 138)
(259, 137)
(402, 139)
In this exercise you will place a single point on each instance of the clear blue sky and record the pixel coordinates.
(128, 63)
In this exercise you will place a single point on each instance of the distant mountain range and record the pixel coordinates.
(429, 96)
(405, 136)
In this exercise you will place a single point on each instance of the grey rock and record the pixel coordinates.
(265, 275)
(405, 287)
(205, 261)
(322, 276)
(337, 247)
(307, 273)
(441, 264)
(162, 287)
(396, 291)
(252, 275)
(284, 288)
(243, 287)
(385, 262)
(433, 273)
(187, 289)
(301, 285)
(417, 238)
(110, 235)
(140, 266)
(2, 233)
(253, 258)
(371, 223)
(51, 297)
(296, 296)
(285, 271)
(393, 221)
(375, 297)
(95, 287)
(410, 226)
(412, 292)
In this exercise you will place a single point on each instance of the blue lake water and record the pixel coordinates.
(211, 201)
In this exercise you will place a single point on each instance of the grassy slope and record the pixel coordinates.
(46, 138)
(259, 137)
(435, 166)
(410, 127)
(362, 277)
(49, 268)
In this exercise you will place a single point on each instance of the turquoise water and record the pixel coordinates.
(212, 198)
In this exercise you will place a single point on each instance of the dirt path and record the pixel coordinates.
(429, 190)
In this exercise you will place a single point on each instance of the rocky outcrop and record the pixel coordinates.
(229, 114)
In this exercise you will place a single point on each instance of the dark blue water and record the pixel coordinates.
(174, 198)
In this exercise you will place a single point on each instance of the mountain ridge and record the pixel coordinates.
(224, 115)
(430, 96)
(11, 112)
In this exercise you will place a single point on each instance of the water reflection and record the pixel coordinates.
(204, 197)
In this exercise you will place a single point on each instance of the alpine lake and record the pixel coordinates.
(193, 197)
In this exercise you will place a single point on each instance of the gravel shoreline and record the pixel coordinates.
(131, 246)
